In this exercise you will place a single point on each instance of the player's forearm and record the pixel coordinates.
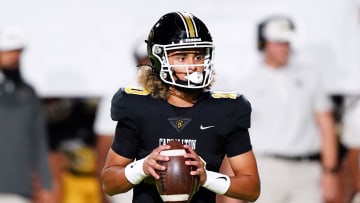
(114, 180)
(329, 154)
(329, 150)
(245, 187)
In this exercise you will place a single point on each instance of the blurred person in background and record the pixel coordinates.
(293, 132)
(72, 143)
(24, 169)
(351, 139)
(104, 126)
(140, 52)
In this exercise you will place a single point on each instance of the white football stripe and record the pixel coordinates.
(173, 152)
(174, 198)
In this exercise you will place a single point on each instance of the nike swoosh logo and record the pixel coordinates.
(222, 177)
(206, 127)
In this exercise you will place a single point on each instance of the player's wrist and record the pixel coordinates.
(217, 182)
(134, 172)
(330, 170)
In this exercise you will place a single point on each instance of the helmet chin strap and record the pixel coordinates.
(189, 97)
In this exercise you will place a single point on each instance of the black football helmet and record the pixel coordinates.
(180, 30)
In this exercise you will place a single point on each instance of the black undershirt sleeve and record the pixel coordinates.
(125, 141)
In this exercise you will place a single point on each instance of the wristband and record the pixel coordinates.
(217, 182)
(134, 172)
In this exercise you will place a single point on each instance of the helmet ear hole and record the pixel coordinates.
(153, 64)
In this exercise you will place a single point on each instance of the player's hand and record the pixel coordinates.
(330, 187)
(151, 162)
(197, 162)
(44, 196)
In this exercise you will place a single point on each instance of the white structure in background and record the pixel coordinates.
(84, 47)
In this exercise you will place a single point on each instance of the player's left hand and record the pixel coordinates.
(197, 162)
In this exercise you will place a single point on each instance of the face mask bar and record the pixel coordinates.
(195, 80)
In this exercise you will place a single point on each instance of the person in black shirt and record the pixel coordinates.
(175, 103)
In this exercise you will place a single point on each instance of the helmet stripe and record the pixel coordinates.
(189, 24)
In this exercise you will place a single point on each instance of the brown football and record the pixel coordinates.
(176, 184)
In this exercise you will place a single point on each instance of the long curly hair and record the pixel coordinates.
(150, 81)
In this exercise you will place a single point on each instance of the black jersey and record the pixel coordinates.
(216, 125)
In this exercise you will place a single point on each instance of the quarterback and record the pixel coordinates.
(176, 103)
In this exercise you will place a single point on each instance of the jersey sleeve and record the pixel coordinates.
(242, 112)
(238, 142)
(118, 105)
(125, 141)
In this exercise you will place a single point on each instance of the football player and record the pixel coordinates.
(175, 103)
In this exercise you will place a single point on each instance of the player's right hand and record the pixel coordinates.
(151, 162)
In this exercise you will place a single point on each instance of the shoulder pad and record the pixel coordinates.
(137, 91)
(224, 95)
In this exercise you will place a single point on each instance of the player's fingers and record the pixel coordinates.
(191, 154)
(199, 162)
(154, 160)
(195, 162)
(160, 148)
(158, 157)
(189, 149)
(199, 170)
(153, 173)
(151, 165)
(155, 155)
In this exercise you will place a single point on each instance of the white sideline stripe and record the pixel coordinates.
(173, 152)
(174, 198)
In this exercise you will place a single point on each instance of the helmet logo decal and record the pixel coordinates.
(179, 123)
(157, 50)
(189, 25)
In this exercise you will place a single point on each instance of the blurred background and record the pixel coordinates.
(84, 48)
